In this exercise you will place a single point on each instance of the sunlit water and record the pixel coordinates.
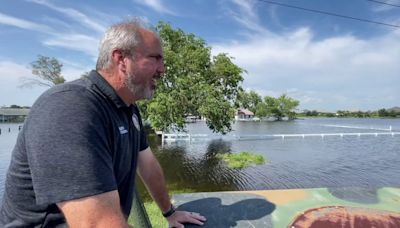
(331, 161)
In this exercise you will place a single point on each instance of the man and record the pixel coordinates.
(75, 159)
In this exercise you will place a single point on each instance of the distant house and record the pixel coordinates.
(394, 109)
(192, 119)
(244, 114)
(13, 114)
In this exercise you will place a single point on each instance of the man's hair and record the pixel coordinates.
(123, 36)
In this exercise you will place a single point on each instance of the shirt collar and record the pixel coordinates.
(106, 89)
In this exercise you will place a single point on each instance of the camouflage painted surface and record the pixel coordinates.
(280, 208)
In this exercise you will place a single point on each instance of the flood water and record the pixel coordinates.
(330, 161)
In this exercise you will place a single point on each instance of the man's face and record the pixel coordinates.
(146, 66)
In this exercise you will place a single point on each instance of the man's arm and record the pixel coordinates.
(152, 176)
(102, 210)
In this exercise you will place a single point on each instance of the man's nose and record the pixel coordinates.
(161, 68)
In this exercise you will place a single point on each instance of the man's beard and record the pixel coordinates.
(139, 91)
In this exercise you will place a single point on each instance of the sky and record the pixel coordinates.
(327, 63)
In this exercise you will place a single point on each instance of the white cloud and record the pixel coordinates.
(247, 15)
(73, 70)
(156, 5)
(342, 72)
(11, 71)
(74, 15)
(78, 42)
(24, 24)
(71, 40)
(10, 77)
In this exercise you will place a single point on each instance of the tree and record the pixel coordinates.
(272, 107)
(194, 84)
(85, 74)
(311, 113)
(279, 107)
(261, 110)
(15, 106)
(287, 105)
(249, 100)
(47, 71)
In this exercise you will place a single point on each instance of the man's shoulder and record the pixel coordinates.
(74, 91)
(76, 86)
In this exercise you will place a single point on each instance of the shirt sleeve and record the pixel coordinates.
(68, 148)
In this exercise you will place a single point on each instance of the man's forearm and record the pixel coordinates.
(154, 180)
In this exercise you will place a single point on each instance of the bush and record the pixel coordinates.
(242, 160)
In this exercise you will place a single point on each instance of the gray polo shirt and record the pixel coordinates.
(79, 140)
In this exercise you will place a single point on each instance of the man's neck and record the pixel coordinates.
(118, 84)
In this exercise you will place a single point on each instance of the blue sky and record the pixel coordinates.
(328, 63)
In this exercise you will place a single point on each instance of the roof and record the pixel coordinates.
(14, 111)
(245, 112)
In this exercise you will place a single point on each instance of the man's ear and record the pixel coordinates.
(118, 59)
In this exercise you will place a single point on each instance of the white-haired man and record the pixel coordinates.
(75, 160)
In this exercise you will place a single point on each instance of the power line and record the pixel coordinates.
(384, 3)
(329, 13)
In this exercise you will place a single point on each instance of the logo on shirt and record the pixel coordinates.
(122, 130)
(135, 121)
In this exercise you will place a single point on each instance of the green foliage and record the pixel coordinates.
(272, 107)
(47, 71)
(287, 105)
(15, 106)
(382, 113)
(85, 74)
(311, 113)
(249, 100)
(386, 113)
(194, 84)
(261, 110)
(154, 213)
(155, 216)
(277, 107)
(242, 159)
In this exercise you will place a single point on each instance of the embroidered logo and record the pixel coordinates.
(135, 121)
(122, 130)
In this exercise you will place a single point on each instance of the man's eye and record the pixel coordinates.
(156, 57)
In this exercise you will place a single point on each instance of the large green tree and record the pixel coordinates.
(249, 100)
(195, 83)
(278, 107)
(47, 72)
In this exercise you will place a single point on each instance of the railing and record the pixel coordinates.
(139, 214)
(194, 137)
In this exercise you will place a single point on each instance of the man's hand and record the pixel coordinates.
(179, 217)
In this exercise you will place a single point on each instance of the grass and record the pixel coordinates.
(154, 213)
(237, 160)
(155, 216)
(242, 160)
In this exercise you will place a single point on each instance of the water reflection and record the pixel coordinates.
(197, 170)
(200, 173)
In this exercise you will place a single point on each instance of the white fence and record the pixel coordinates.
(197, 137)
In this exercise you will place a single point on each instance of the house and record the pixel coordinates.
(244, 114)
(13, 114)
